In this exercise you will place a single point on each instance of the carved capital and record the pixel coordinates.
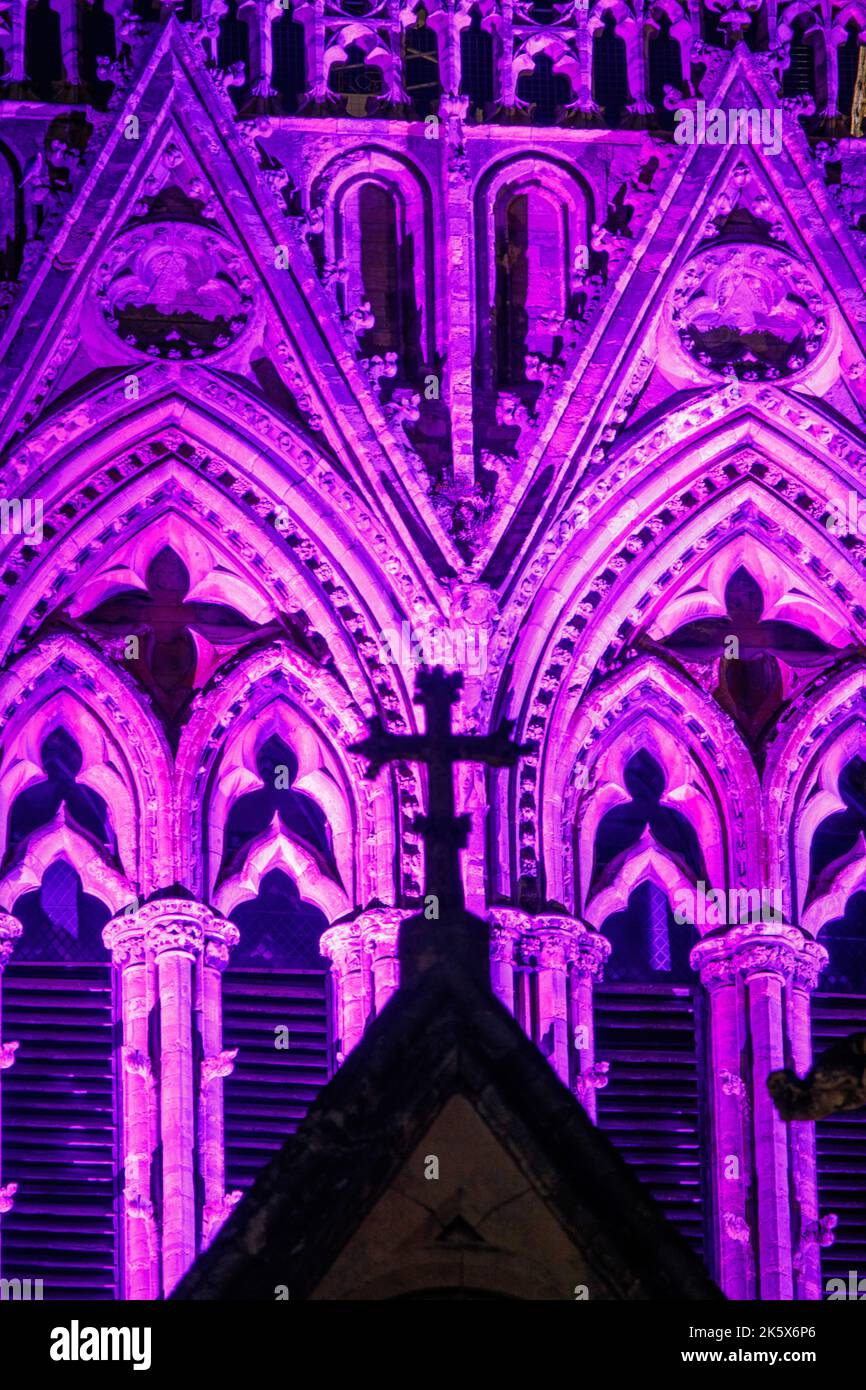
(809, 965)
(10, 930)
(124, 937)
(379, 929)
(770, 948)
(553, 953)
(220, 939)
(503, 941)
(556, 940)
(343, 946)
(176, 936)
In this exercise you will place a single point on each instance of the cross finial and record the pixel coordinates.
(443, 831)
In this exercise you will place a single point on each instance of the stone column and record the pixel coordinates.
(10, 930)
(569, 957)
(765, 1204)
(17, 75)
(504, 938)
(124, 937)
(70, 40)
(379, 929)
(552, 956)
(588, 950)
(344, 947)
(217, 1064)
(175, 931)
(808, 1230)
(730, 1146)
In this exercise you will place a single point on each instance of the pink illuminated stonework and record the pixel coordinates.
(339, 337)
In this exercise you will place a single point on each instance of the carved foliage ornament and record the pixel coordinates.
(175, 290)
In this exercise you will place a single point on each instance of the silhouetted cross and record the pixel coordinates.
(444, 832)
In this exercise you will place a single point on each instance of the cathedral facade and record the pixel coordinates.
(337, 338)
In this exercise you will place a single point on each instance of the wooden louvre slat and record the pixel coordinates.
(271, 1089)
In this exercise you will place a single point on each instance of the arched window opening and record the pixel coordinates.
(799, 78)
(233, 46)
(647, 942)
(43, 51)
(355, 80)
(476, 66)
(38, 804)
(289, 76)
(712, 31)
(59, 1101)
(609, 70)
(531, 256)
(848, 59)
(278, 928)
(544, 90)
(61, 921)
(97, 41)
(421, 65)
(665, 69)
(251, 814)
(379, 267)
(623, 826)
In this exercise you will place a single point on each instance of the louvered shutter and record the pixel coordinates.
(60, 1138)
(650, 1108)
(271, 1089)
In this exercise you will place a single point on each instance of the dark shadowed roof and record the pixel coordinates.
(444, 1037)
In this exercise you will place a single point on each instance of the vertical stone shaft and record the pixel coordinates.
(804, 1162)
(553, 999)
(343, 945)
(176, 936)
(217, 1064)
(588, 950)
(731, 1164)
(766, 1020)
(764, 1178)
(124, 937)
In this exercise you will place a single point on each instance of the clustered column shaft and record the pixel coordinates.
(758, 979)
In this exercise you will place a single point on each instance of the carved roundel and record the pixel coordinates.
(751, 311)
(174, 289)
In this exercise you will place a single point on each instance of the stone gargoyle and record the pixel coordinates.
(836, 1081)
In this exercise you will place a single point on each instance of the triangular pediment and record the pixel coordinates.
(477, 1131)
